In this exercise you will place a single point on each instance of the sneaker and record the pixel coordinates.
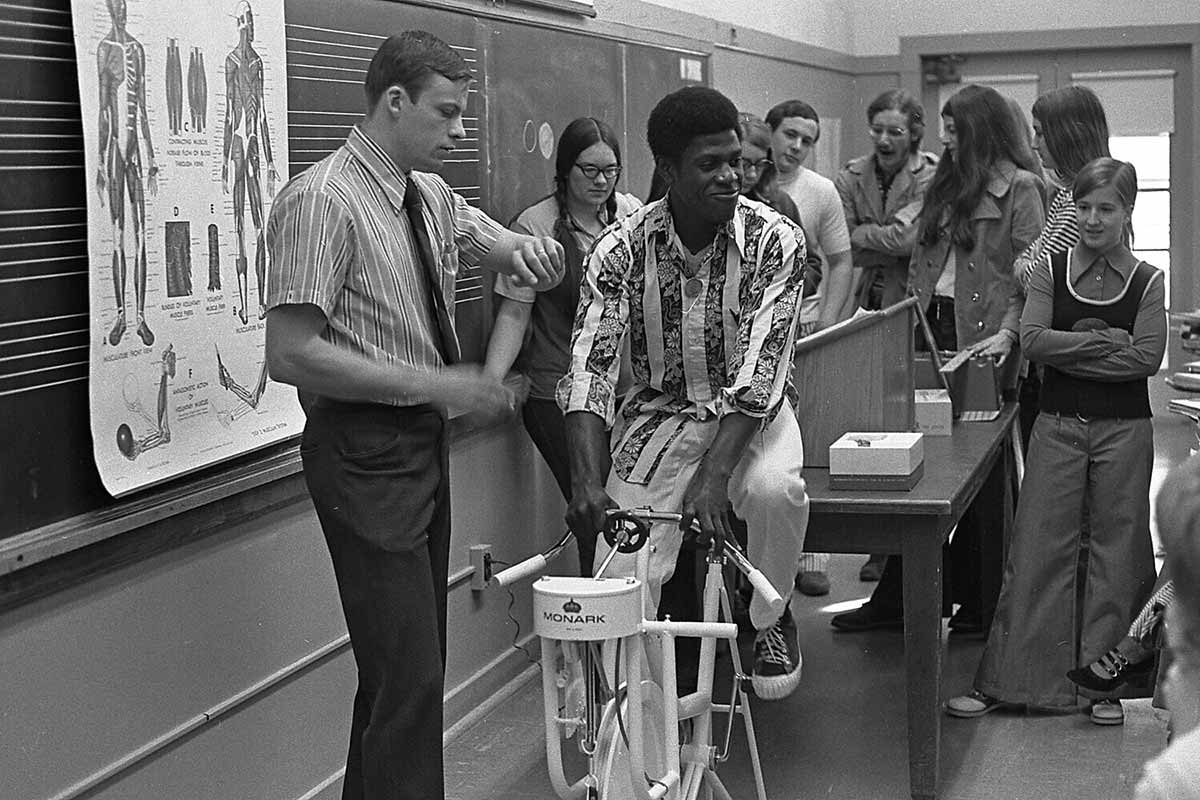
(971, 705)
(777, 659)
(813, 584)
(1108, 712)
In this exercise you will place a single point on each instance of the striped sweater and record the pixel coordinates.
(1060, 234)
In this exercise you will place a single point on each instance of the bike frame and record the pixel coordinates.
(687, 768)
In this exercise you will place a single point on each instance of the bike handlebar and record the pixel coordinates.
(521, 570)
(536, 564)
(532, 565)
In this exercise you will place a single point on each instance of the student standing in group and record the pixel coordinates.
(534, 328)
(983, 207)
(365, 246)
(1095, 318)
(705, 285)
(795, 128)
(1069, 130)
(881, 195)
(758, 183)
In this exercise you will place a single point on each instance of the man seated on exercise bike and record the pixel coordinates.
(706, 285)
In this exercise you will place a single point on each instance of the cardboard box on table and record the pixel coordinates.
(934, 412)
(875, 461)
(855, 376)
(975, 383)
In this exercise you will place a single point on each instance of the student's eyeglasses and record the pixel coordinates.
(591, 171)
(878, 131)
(746, 164)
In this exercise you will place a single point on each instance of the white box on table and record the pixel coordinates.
(862, 453)
(934, 411)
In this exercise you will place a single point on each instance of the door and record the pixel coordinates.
(1139, 88)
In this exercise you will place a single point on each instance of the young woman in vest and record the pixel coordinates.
(1095, 318)
(1069, 130)
(982, 208)
(533, 329)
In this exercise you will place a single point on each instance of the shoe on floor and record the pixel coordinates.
(777, 659)
(1108, 712)
(967, 622)
(867, 617)
(1116, 671)
(873, 569)
(973, 704)
(813, 584)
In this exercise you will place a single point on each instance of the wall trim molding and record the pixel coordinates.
(472, 700)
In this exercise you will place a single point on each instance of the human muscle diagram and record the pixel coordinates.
(157, 427)
(245, 130)
(185, 127)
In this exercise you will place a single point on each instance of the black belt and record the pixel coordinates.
(315, 401)
(940, 306)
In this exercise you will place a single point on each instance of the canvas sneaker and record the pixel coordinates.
(777, 659)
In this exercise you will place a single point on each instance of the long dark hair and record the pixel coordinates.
(578, 136)
(1074, 126)
(987, 134)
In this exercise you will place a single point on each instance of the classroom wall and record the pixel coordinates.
(219, 669)
(877, 28)
(825, 23)
(755, 83)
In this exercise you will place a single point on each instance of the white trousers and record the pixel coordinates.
(766, 490)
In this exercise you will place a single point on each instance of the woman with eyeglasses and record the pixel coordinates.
(533, 329)
(882, 193)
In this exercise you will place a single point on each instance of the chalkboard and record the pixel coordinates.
(538, 81)
(531, 81)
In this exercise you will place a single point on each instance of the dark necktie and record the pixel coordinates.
(444, 336)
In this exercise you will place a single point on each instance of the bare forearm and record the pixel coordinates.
(508, 334)
(319, 368)
(733, 436)
(851, 304)
(587, 439)
(838, 279)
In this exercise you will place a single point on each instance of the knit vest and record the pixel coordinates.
(1067, 394)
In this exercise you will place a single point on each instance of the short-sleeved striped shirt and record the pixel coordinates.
(339, 239)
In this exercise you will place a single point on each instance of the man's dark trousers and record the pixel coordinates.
(379, 479)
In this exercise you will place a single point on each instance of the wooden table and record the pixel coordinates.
(916, 524)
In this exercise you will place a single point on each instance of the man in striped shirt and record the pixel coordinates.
(365, 246)
(706, 286)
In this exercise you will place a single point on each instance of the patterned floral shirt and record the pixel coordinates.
(702, 345)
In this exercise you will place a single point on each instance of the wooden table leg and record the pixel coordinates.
(923, 657)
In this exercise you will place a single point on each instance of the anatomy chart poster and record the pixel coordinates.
(185, 132)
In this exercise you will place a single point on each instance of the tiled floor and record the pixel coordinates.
(842, 734)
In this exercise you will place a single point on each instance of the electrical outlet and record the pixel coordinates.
(481, 563)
